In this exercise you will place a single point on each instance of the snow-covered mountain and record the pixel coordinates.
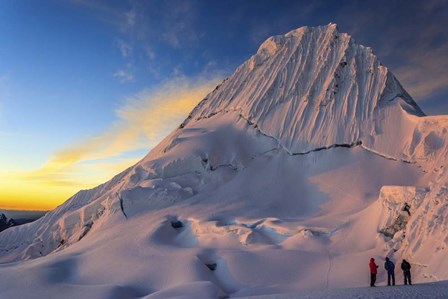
(5, 222)
(310, 159)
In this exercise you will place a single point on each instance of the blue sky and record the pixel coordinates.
(76, 75)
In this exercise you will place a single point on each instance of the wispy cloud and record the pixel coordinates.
(125, 48)
(124, 19)
(149, 52)
(141, 122)
(125, 75)
(427, 71)
(170, 21)
(178, 25)
(130, 18)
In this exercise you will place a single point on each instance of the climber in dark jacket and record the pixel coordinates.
(390, 268)
(373, 271)
(406, 267)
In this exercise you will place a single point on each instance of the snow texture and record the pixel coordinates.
(430, 290)
(288, 177)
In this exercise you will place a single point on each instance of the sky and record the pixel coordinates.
(88, 87)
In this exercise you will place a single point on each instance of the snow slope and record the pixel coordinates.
(288, 176)
(429, 290)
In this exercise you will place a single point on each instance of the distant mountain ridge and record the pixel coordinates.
(25, 217)
(5, 222)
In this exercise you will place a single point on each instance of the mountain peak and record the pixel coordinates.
(274, 43)
(330, 28)
(312, 87)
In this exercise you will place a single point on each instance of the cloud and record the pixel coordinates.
(424, 70)
(149, 52)
(124, 75)
(426, 74)
(125, 20)
(173, 22)
(178, 26)
(141, 122)
(130, 18)
(144, 30)
(125, 48)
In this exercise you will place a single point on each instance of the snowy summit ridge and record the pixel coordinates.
(307, 155)
(310, 88)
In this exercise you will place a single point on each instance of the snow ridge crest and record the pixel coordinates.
(312, 87)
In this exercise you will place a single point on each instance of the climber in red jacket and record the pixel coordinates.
(373, 271)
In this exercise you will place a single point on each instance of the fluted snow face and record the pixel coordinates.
(309, 88)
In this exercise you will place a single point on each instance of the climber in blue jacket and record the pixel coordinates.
(390, 267)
